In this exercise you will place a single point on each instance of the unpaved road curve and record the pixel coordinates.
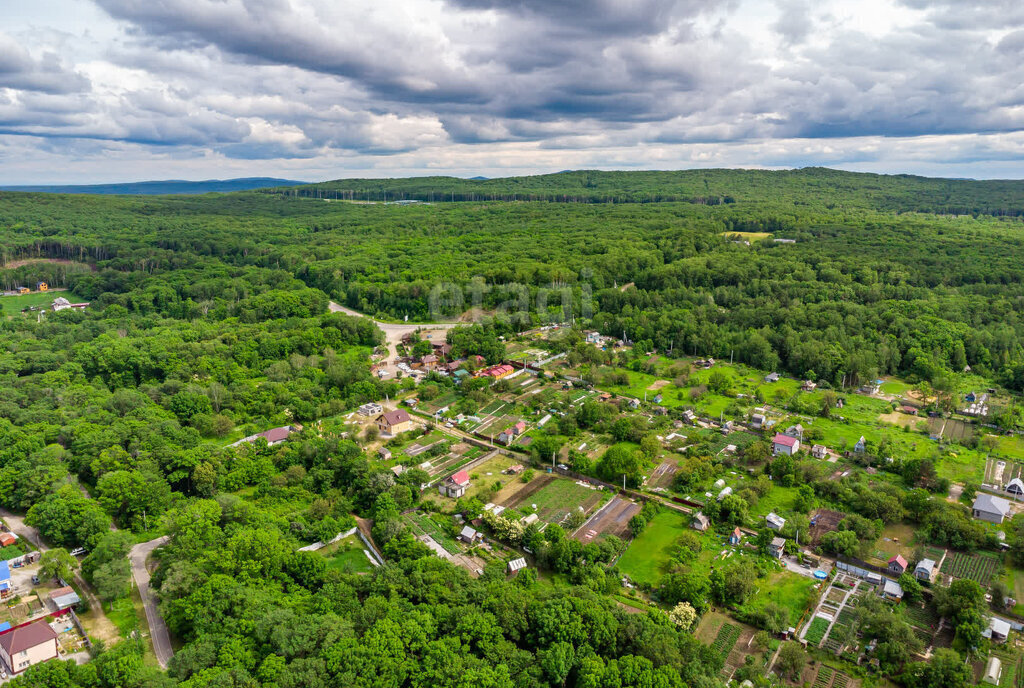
(157, 628)
(393, 332)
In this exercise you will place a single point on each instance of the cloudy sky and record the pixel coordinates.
(120, 90)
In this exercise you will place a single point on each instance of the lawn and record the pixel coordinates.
(779, 499)
(789, 590)
(123, 615)
(560, 497)
(647, 554)
(351, 560)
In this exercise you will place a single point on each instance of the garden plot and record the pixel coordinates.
(612, 519)
(979, 567)
(728, 638)
(1000, 471)
(557, 498)
(663, 475)
(422, 525)
(824, 521)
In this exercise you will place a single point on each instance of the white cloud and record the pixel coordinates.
(482, 86)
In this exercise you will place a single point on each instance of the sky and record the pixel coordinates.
(95, 91)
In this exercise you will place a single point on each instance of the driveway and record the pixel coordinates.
(17, 525)
(157, 628)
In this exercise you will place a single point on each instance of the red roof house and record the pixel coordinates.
(455, 485)
(784, 444)
(897, 564)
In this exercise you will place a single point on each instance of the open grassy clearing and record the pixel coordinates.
(789, 590)
(12, 305)
(647, 554)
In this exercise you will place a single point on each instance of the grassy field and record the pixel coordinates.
(12, 305)
(786, 589)
(647, 554)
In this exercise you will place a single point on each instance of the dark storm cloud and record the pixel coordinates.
(257, 79)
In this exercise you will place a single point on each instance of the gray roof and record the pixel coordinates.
(991, 504)
(893, 588)
(468, 532)
(999, 626)
(927, 564)
(65, 601)
(778, 542)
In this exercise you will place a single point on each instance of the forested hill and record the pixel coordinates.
(151, 188)
(814, 187)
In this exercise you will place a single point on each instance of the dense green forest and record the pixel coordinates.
(208, 321)
(810, 187)
(864, 290)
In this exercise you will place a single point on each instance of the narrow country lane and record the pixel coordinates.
(157, 628)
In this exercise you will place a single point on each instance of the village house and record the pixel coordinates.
(274, 436)
(28, 645)
(897, 565)
(700, 522)
(861, 445)
(497, 372)
(891, 590)
(454, 486)
(771, 377)
(443, 349)
(796, 431)
(925, 570)
(429, 362)
(689, 416)
(776, 548)
(808, 386)
(819, 451)
(998, 630)
(60, 304)
(909, 410)
(394, 422)
(990, 508)
(784, 444)
(469, 535)
(64, 598)
(757, 421)
(736, 536)
(384, 453)
(775, 522)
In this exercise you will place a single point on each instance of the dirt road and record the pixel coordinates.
(157, 628)
(393, 332)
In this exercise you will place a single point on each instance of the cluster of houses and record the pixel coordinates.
(438, 360)
(509, 435)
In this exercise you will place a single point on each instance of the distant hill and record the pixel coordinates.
(169, 186)
(813, 186)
